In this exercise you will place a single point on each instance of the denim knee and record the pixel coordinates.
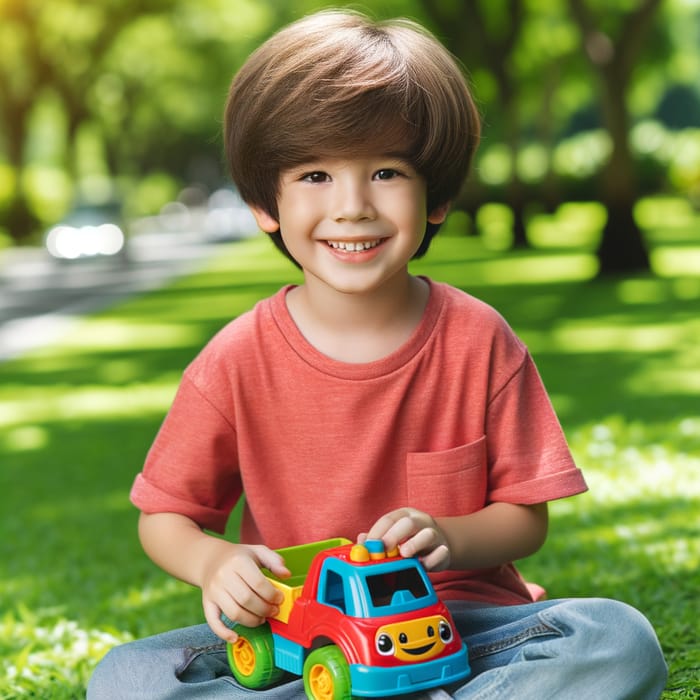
(617, 636)
(157, 666)
(107, 676)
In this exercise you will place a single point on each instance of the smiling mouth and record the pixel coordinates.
(418, 650)
(354, 246)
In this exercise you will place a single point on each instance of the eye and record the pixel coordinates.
(403, 638)
(445, 632)
(431, 631)
(385, 645)
(315, 176)
(386, 174)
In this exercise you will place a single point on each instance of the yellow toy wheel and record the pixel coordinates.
(243, 656)
(320, 683)
(327, 675)
(252, 657)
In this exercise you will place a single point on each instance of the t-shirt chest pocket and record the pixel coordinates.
(449, 482)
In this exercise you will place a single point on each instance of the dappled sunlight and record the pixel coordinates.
(538, 270)
(583, 154)
(512, 270)
(659, 538)
(686, 288)
(643, 291)
(626, 461)
(652, 539)
(595, 335)
(667, 380)
(619, 357)
(655, 290)
(24, 438)
(87, 403)
(665, 216)
(103, 334)
(149, 595)
(196, 307)
(672, 227)
(638, 534)
(48, 645)
(573, 225)
(676, 261)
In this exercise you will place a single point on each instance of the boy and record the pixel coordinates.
(366, 402)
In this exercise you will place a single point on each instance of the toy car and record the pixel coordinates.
(355, 621)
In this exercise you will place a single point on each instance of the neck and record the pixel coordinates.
(359, 327)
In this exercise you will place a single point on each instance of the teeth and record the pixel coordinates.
(352, 246)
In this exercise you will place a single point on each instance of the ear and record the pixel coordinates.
(439, 214)
(265, 220)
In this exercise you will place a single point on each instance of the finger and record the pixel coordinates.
(402, 531)
(249, 585)
(384, 524)
(212, 614)
(253, 601)
(423, 541)
(438, 559)
(272, 561)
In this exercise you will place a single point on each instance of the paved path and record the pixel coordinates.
(41, 299)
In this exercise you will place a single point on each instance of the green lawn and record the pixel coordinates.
(621, 359)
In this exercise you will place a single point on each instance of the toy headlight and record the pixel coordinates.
(384, 644)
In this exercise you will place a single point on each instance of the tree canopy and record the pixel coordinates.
(581, 100)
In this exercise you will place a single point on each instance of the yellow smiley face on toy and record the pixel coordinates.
(414, 640)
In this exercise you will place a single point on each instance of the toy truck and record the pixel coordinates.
(356, 621)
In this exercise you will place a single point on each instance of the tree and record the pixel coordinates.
(146, 79)
(55, 45)
(18, 84)
(485, 33)
(612, 43)
(614, 53)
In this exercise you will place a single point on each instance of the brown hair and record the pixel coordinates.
(337, 83)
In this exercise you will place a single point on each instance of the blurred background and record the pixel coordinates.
(124, 247)
(112, 108)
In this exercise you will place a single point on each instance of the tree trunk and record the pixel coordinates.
(622, 248)
(18, 218)
(20, 221)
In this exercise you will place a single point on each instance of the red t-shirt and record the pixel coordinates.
(453, 420)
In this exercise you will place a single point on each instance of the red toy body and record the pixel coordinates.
(355, 621)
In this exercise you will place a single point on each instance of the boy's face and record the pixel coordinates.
(352, 224)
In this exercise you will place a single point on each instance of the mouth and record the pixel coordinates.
(355, 246)
(418, 651)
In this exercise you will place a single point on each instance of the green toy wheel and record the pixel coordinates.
(327, 675)
(252, 657)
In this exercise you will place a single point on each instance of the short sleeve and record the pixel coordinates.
(191, 468)
(529, 458)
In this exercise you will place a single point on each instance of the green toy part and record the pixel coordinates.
(252, 657)
(327, 674)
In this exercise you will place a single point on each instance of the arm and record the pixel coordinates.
(497, 534)
(228, 574)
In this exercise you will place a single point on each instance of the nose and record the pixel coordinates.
(352, 201)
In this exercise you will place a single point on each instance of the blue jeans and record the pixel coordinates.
(578, 648)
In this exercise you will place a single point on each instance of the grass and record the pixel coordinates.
(621, 361)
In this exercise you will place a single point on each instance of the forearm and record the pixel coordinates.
(179, 546)
(229, 574)
(495, 535)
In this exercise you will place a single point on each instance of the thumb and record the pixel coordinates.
(273, 561)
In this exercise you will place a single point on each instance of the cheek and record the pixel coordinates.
(298, 212)
(412, 209)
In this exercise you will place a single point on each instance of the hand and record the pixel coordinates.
(415, 533)
(233, 584)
